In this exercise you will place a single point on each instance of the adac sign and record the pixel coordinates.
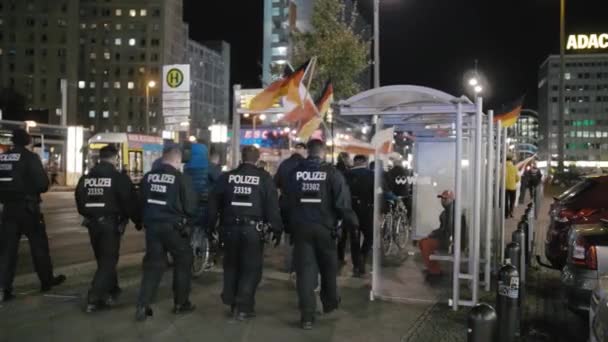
(587, 41)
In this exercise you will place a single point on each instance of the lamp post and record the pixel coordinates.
(561, 106)
(150, 84)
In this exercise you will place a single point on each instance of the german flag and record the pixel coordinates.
(286, 86)
(309, 120)
(509, 116)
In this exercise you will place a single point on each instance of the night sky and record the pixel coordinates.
(427, 42)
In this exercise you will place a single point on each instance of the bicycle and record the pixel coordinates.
(395, 227)
(204, 250)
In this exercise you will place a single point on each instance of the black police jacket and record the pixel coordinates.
(361, 183)
(106, 192)
(246, 192)
(282, 176)
(167, 196)
(317, 194)
(22, 176)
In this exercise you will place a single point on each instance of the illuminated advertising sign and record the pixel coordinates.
(587, 41)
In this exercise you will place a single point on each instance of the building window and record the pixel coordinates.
(156, 12)
(106, 85)
(142, 70)
(117, 57)
(118, 12)
(106, 55)
(116, 85)
(92, 85)
(275, 38)
(155, 42)
(82, 84)
(143, 12)
(106, 114)
(105, 12)
(130, 85)
(92, 55)
(154, 57)
(91, 114)
(132, 13)
(143, 42)
(155, 27)
(117, 41)
(118, 27)
(132, 42)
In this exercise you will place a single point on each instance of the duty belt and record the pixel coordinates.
(243, 221)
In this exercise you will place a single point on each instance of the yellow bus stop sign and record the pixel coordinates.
(175, 78)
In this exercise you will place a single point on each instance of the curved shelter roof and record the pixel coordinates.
(408, 107)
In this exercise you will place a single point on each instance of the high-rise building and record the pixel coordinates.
(210, 79)
(111, 53)
(38, 48)
(524, 134)
(123, 46)
(585, 110)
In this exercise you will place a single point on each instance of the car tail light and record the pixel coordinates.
(584, 213)
(565, 215)
(584, 254)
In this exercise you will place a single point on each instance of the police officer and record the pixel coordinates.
(281, 178)
(22, 180)
(245, 199)
(169, 203)
(317, 198)
(106, 199)
(361, 183)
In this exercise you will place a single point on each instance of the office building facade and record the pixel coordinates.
(110, 52)
(38, 48)
(585, 110)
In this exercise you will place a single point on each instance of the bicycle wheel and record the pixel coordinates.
(401, 232)
(386, 234)
(200, 251)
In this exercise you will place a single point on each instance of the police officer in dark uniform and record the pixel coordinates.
(22, 180)
(361, 183)
(245, 199)
(169, 204)
(281, 178)
(318, 197)
(106, 199)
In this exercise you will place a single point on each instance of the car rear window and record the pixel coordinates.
(576, 190)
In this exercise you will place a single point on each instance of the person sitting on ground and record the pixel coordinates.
(440, 239)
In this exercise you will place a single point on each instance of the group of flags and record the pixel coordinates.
(297, 101)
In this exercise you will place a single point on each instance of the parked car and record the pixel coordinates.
(584, 203)
(598, 313)
(587, 263)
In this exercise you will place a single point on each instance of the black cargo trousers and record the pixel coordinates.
(315, 253)
(105, 239)
(160, 239)
(243, 259)
(23, 218)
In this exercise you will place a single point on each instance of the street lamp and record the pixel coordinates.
(473, 82)
(150, 84)
(478, 89)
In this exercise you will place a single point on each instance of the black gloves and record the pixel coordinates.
(276, 237)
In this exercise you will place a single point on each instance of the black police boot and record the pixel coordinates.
(307, 322)
(185, 308)
(243, 316)
(6, 295)
(142, 313)
(55, 281)
(331, 308)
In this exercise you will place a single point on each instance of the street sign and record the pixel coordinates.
(176, 78)
(170, 120)
(176, 128)
(168, 112)
(176, 104)
(176, 96)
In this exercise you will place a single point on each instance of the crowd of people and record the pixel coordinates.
(320, 206)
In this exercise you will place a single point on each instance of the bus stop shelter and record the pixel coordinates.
(454, 149)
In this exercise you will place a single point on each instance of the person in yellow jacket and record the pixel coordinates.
(512, 177)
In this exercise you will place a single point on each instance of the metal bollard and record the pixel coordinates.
(523, 225)
(507, 303)
(513, 253)
(481, 325)
(519, 236)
